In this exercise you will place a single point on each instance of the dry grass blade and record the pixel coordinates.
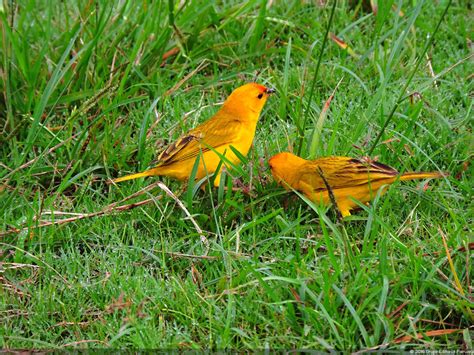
(11, 288)
(12, 266)
(313, 83)
(397, 310)
(398, 10)
(408, 81)
(114, 208)
(85, 341)
(78, 216)
(38, 260)
(172, 52)
(65, 324)
(135, 194)
(430, 68)
(408, 338)
(231, 254)
(319, 125)
(296, 296)
(85, 107)
(34, 160)
(185, 210)
(343, 45)
(457, 283)
(190, 256)
(201, 66)
(430, 333)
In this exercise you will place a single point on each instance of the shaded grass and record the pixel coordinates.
(280, 272)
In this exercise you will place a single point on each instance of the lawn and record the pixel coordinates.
(93, 90)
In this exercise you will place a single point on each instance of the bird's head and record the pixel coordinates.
(247, 101)
(285, 167)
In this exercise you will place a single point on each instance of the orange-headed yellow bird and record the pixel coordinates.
(347, 178)
(232, 126)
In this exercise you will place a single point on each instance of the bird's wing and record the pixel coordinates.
(342, 172)
(210, 135)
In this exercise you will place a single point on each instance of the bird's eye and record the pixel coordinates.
(260, 95)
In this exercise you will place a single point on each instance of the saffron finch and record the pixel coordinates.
(232, 126)
(343, 177)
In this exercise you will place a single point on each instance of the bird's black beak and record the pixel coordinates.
(269, 91)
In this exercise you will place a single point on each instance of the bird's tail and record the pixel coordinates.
(422, 175)
(150, 172)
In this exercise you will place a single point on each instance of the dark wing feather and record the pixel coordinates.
(342, 172)
(211, 134)
(170, 153)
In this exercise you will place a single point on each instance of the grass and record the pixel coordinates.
(88, 97)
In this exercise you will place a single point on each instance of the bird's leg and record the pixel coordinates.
(288, 200)
(240, 186)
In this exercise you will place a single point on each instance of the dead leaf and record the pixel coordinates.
(118, 304)
(430, 333)
(170, 53)
(343, 45)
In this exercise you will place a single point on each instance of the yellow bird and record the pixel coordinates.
(232, 126)
(346, 178)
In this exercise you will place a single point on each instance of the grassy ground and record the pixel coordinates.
(87, 97)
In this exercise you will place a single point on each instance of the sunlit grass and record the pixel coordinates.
(94, 90)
